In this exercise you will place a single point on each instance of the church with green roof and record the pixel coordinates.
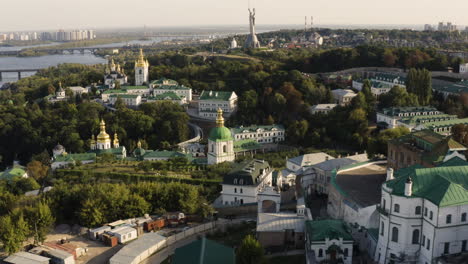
(220, 142)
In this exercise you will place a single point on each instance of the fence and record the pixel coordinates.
(150, 243)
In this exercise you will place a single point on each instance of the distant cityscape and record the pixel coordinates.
(60, 35)
(449, 26)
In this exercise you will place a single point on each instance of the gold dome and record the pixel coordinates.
(141, 62)
(103, 137)
(116, 140)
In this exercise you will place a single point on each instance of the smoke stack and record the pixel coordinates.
(408, 187)
(390, 174)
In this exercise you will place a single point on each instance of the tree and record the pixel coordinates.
(460, 133)
(91, 214)
(378, 145)
(13, 232)
(389, 58)
(37, 170)
(40, 218)
(119, 103)
(250, 252)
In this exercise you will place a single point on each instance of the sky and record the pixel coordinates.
(79, 14)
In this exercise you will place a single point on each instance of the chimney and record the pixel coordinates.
(389, 174)
(408, 187)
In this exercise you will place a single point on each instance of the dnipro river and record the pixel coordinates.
(53, 60)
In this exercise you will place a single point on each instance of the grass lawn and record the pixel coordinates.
(297, 259)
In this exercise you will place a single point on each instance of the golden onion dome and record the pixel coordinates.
(141, 60)
(103, 136)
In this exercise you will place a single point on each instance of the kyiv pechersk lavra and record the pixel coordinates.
(114, 74)
(141, 70)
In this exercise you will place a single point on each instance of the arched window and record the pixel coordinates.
(241, 190)
(417, 210)
(212, 147)
(463, 217)
(383, 203)
(241, 181)
(396, 208)
(448, 219)
(235, 190)
(224, 149)
(395, 234)
(382, 228)
(320, 253)
(235, 181)
(345, 252)
(415, 239)
(431, 215)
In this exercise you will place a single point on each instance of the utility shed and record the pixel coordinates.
(139, 250)
(60, 257)
(26, 258)
(204, 251)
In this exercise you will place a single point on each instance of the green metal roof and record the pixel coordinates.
(446, 123)
(266, 128)
(204, 251)
(216, 95)
(319, 230)
(249, 171)
(455, 161)
(131, 96)
(12, 173)
(139, 87)
(75, 157)
(394, 111)
(220, 134)
(164, 81)
(115, 91)
(444, 186)
(374, 233)
(116, 151)
(172, 87)
(165, 96)
(427, 118)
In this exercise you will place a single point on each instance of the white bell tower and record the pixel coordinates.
(141, 70)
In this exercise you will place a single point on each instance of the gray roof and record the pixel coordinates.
(26, 258)
(323, 106)
(330, 165)
(128, 253)
(271, 222)
(59, 254)
(310, 159)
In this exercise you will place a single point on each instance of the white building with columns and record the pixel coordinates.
(245, 181)
(423, 214)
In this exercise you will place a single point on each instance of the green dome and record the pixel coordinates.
(220, 134)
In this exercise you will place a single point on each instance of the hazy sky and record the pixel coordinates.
(54, 14)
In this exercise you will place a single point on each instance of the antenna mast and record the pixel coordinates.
(305, 24)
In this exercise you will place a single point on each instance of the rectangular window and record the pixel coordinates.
(425, 211)
(464, 245)
(424, 240)
(428, 245)
(446, 248)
